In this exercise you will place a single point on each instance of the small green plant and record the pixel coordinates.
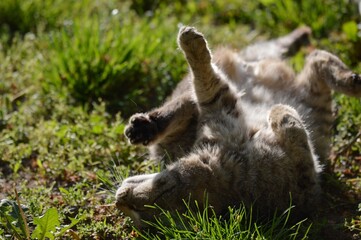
(12, 219)
(47, 226)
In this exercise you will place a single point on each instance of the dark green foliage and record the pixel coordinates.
(322, 16)
(116, 59)
(17, 16)
(11, 218)
(347, 133)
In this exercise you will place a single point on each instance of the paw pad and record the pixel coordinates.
(187, 34)
(194, 45)
(141, 129)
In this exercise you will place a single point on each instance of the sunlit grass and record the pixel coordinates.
(238, 223)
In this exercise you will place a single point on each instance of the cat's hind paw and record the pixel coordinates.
(287, 124)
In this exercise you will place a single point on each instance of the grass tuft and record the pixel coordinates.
(238, 223)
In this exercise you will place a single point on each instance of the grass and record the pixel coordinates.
(237, 224)
(93, 57)
(71, 73)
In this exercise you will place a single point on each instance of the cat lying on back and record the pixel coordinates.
(241, 128)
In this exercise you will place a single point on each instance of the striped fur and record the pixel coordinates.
(241, 128)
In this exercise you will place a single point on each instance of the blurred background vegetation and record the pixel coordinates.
(71, 72)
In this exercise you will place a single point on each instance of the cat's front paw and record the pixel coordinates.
(141, 129)
(194, 45)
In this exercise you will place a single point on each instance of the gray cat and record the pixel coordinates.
(241, 128)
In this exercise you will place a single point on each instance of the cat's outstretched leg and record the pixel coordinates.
(324, 71)
(278, 48)
(169, 129)
(150, 128)
(167, 189)
(210, 85)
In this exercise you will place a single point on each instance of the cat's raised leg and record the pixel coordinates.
(210, 85)
(324, 71)
(278, 48)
